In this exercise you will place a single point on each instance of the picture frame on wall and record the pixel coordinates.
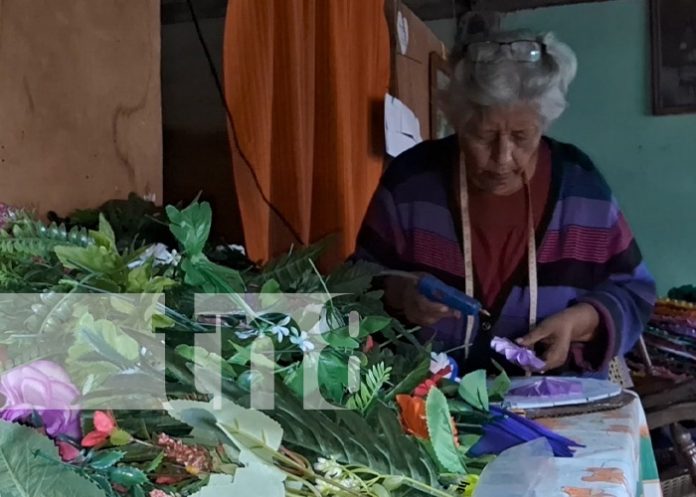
(440, 78)
(673, 44)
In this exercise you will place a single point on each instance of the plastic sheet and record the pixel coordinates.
(526, 470)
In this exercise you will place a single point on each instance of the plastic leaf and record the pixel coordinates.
(472, 389)
(127, 476)
(441, 433)
(23, 472)
(106, 459)
(119, 437)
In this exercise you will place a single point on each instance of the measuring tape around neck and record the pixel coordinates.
(468, 258)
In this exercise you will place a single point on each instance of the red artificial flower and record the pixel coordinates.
(104, 426)
(423, 389)
(67, 451)
(369, 344)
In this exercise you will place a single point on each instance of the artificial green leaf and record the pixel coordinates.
(374, 380)
(248, 428)
(412, 379)
(473, 390)
(269, 292)
(30, 465)
(209, 360)
(290, 268)
(393, 482)
(106, 459)
(500, 387)
(340, 339)
(93, 258)
(373, 324)
(380, 491)
(333, 374)
(377, 442)
(120, 437)
(352, 278)
(105, 236)
(258, 479)
(138, 491)
(138, 278)
(440, 430)
(127, 476)
(217, 486)
(155, 463)
(191, 226)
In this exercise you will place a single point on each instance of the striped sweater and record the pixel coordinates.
(585, 253)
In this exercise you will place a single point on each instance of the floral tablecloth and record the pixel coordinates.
(617, 460)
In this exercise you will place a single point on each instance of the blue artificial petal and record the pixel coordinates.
(508, 429)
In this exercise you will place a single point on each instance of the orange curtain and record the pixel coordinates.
(305, 83)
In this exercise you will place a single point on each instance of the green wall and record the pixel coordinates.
(649, 161)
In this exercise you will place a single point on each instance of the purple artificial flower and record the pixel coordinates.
(548, 387)
(507, 429)
(45, 388)
(520, 356)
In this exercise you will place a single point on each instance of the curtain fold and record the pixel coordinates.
(305, 82)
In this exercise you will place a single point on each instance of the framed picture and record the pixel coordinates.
(440, 78)
(673, 30)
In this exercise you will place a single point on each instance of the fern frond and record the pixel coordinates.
(373, 382)
(30, 238)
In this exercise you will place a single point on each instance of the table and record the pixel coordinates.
(617, 460)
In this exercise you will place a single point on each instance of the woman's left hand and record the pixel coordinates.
(575, 324)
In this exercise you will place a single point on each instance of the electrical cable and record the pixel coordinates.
(221, 93)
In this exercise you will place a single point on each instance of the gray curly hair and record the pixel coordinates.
(504, 81)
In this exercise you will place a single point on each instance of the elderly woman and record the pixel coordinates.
(524, 223)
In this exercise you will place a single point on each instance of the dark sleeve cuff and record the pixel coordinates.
(595, 356)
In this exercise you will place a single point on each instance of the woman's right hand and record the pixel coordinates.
(402, 294)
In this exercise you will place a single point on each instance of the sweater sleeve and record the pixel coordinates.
(624, 300)
(381, 237)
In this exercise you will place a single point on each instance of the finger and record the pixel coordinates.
(536, 335)
(427, 306)
(557, 355)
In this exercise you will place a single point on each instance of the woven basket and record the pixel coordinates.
(680, 486)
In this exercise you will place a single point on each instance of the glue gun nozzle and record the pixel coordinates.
(485, 313)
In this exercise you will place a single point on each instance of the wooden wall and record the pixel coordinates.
(80, 117)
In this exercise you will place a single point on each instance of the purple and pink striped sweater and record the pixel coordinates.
(585, 252)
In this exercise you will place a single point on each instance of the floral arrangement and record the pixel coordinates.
(398, 420)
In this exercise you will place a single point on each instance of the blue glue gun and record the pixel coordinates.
(438, 291)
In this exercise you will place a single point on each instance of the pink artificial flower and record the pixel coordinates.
(43, 387)
(159, 493)
(104, 426)
(67, 451)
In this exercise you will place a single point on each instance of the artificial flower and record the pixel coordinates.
(522, 357)
(67, 451)
(328, 467)
(158, 493)
(413, 418)
(507, 429)
(440, 361)
(281, 329)
(423, 389)
(104, 426)
(369, 344)
(161, 255)
(193, 458)
(548, 387)
(45, 388)
(302, 341)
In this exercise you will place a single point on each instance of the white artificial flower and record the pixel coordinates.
(438, 362)
(281, 330)
(161, 255)
(243, 335)
(302, 341)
